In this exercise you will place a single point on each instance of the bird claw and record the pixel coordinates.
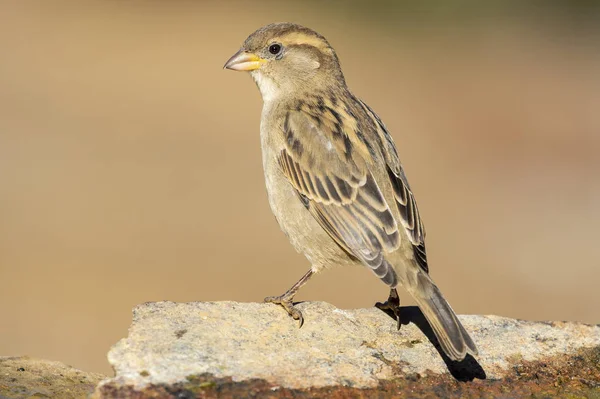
(288, 305)
(393, 305)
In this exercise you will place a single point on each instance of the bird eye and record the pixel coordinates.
(275, 48)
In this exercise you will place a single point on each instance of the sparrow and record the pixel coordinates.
(334, 179)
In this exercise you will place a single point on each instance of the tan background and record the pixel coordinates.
(130, 164)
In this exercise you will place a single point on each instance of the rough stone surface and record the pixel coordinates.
(23, 377)
(225, 348)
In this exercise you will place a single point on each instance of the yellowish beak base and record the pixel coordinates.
(244, 61)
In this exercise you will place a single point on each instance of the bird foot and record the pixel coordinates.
(393, 305)
(286, 302)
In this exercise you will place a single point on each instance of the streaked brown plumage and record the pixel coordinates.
(334, 179)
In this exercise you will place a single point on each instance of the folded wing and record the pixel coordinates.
(336, 186)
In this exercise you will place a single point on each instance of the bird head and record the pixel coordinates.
(286, 58)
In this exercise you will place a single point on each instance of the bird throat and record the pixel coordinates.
(269, 90)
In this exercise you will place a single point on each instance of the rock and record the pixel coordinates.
(23, 377)
(230, 349)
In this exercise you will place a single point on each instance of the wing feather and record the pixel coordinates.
(341, 193)
(405, 199)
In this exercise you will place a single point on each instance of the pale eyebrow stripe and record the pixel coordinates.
(302, 38)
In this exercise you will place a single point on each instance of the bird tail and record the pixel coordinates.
(452, 336)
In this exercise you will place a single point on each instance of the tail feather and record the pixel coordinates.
(452, 336)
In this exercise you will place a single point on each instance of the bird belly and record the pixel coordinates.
(301, 228)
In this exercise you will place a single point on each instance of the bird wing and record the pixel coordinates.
(332, 178)
(405, 199)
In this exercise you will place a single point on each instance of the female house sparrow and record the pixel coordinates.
(333, 176)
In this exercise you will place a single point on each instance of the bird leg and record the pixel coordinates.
(286, 299)
(393, 304)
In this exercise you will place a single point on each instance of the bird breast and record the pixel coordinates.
(301, 228)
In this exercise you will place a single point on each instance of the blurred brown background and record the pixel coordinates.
(130, 166)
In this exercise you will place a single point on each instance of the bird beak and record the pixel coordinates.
(244, 61)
